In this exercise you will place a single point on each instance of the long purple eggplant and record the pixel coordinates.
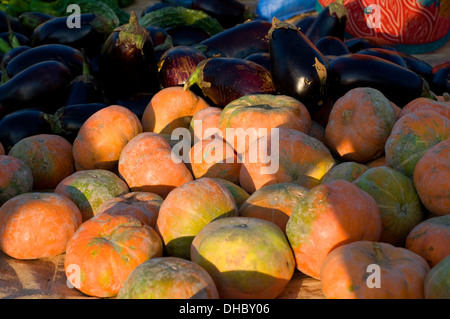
(223, 80)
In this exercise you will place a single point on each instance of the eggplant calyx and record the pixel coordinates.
(338, 9)
(133, 33)
(446, 96)
(54, 121)
(426, 92)
(277, 24)
(196, 77)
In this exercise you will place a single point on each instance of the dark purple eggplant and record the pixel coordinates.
(331, 45)
(331, 21)
(239, 41)
(177, 64)
(298, 69)
(136, 103)
(187, 35)
(13, 24)
(304, 23)
(67, 121)
(417, 65)
(127, 62)
(11, 54)
(400, 85)
(227, 12)
(89, 36)
(262, 58)
(42, 85)
(223, 80)
(85, 88)
(360, 43)
(32, 19)
(22, 39)
(20, 124)
(70, 57)
(389, 55)
(161, 40)
(440, 81)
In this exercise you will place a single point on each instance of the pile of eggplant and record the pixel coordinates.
(54, 77)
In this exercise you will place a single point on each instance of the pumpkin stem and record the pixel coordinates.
(380, 256)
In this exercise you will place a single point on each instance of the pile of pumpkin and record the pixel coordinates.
(361, 189)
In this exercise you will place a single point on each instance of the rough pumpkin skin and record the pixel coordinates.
(168, 278)
(431, 178)
(348, 171)
(254, 260)
(430, 239)
(437, 281)
(423, 103)
(345, 273)
(101, 138)
(49, 157)
(142, 205)
(189, 208)
(330, 215)
(205, 123)
(359, 125)
(37, 225)
(16, 178)
(411, 136)
(239, 194)
(273, 203)
(171, 108)
(146, 164)
(105, 250)
(89, 189)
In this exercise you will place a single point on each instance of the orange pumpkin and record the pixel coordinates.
(359, 125)
(412, 135)
(239, 194)
(147, 165)
(373, 270)
(171, 108)
(317, 131)
(214, 158)
(294, 157)
(105, 250)
(330, 215)
(348, 171)
(103, 136)
(205, 123)
(49, 157)
(437, 281)
(432, 176)
(37, 225)
(273, 203)
(187, 209)
(16, 178)
(423, 103)
(430, 239)
(380, 161)
(141, 205)
(252, 116)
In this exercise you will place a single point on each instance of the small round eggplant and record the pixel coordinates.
(223, 80)
(70, 57)
(89, 36)
(440, 82)
(43, 85)
(331, 21)
(127, 62)
(331, 45)
(20, 124)
(239, 41)
(400, 85)
(262, 58)
(389, 55)
(177, 64)
(68, 120)
(298, 68)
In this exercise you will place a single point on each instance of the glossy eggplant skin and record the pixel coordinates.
(70, 57)
(89, 37)
(331, 45)
(128, 65)
(223, 80)
(298, 68)
(68, 120)
(20, 124)
(43, 85)
(227, 12)
(304, 23)
(400, 85)
(262, 58)
(357, 44)
(389, 55)
(440, 81)
(417, 65)
(85, 89)
(331, 21)
(11, 54)
(239, 41)
(14, 23)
